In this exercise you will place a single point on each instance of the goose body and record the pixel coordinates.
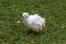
(35, 22)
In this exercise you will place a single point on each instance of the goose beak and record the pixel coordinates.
(22, 17)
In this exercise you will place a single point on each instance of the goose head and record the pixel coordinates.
(25, 15)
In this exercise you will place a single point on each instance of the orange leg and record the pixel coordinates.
(33, 32)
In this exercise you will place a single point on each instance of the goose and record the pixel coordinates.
(35, 22)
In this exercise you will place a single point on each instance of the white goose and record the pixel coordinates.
(35, 22)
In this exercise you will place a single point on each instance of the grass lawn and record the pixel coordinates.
(13, 33)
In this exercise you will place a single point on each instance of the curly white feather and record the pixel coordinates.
(35, 22)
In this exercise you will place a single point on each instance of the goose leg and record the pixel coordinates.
(33, 32)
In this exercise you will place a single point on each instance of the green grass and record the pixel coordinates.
(53, 10)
